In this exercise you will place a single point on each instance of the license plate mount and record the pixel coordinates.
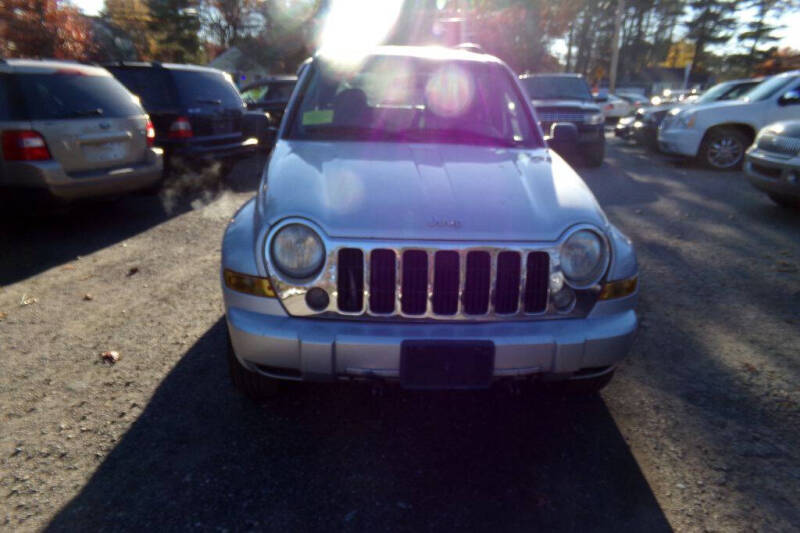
(432, 364)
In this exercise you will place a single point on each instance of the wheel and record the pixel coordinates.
(723, 149)
(783, 200)
(594, 155)
(254, 386)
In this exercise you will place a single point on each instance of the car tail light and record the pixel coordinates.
(150, 132)
(180, 129)
(24, 145)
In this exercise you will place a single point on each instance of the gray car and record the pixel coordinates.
(412, 226)
(773, 162)
(72, 131)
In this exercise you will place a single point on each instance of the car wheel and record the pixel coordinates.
(723, 149)
(594, 156)
(783, 200)
(254, 386)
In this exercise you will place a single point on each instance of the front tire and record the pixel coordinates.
(254, 386)
(723, 149)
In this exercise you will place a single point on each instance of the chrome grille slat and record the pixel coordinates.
(445, 283)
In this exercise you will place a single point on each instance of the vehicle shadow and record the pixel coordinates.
(333, 457)
(32, 244)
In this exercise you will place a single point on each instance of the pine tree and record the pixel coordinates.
(712, 23)
(175, 25)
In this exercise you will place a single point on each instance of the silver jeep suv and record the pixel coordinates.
(412, 226)
(71, 131)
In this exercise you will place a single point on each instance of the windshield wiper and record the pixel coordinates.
(85, 112)
(214, 101)
(456, 136)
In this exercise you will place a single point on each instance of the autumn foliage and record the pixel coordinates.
(43, 28)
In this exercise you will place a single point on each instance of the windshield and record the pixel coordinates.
(725, 91)
(396, 99)
(198, 87)
(557, 88)
(67, 95)
(769, 87)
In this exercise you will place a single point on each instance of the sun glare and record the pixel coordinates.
(353, 27)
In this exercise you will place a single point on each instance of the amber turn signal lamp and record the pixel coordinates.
(248, 284)
(619, 289)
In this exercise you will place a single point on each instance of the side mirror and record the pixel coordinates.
(790, 98)
(563, 133)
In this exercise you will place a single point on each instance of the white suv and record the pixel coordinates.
(719, 133)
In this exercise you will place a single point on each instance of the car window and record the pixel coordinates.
(279, 92)
(256, 94)
(557, 88)
(151, 85)
(199, 88)
(400, 99)
(75, 95)
(769, 88)
(4, 105)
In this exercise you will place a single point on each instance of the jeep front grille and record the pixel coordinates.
(779, 144)
(445, 284)
(559, 114)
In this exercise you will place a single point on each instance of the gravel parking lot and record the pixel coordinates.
(697, 432)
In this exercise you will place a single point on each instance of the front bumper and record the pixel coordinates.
(773, 173)
(212, 149)
(323, 349)
(50, 180)
(684, 142)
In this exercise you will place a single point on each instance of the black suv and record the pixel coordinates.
(270, 95)
(567, 98)
(196, 111)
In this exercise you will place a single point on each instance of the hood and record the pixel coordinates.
(724, 105)
(786, 128)
(399, 191)
(582, 104)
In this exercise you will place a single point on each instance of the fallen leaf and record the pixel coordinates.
(133, 271)
(88, 297)
(750, 368)
(110, 357)
(3, 315)
(27, 300)
(68, 267)
(786, 266)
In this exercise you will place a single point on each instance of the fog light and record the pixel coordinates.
(317, 299)
(792, 177)
(619, 289)
(248, 284)
(556, 282)
(564, 300)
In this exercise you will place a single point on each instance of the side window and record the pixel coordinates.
(256, 94)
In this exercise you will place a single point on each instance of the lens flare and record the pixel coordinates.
(450, 91)
(353, 27)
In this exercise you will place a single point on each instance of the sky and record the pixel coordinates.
(789, 37)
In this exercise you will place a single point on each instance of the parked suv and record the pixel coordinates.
(197, 111)
(270, 95)
(773, 162)
(718, 133)
(413, 227)
(71, 131)
(567, 98)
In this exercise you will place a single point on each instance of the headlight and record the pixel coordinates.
(297, 251)
(685, 120)
(594, 118)
(583, 258)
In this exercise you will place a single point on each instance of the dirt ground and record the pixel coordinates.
(697, 432)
